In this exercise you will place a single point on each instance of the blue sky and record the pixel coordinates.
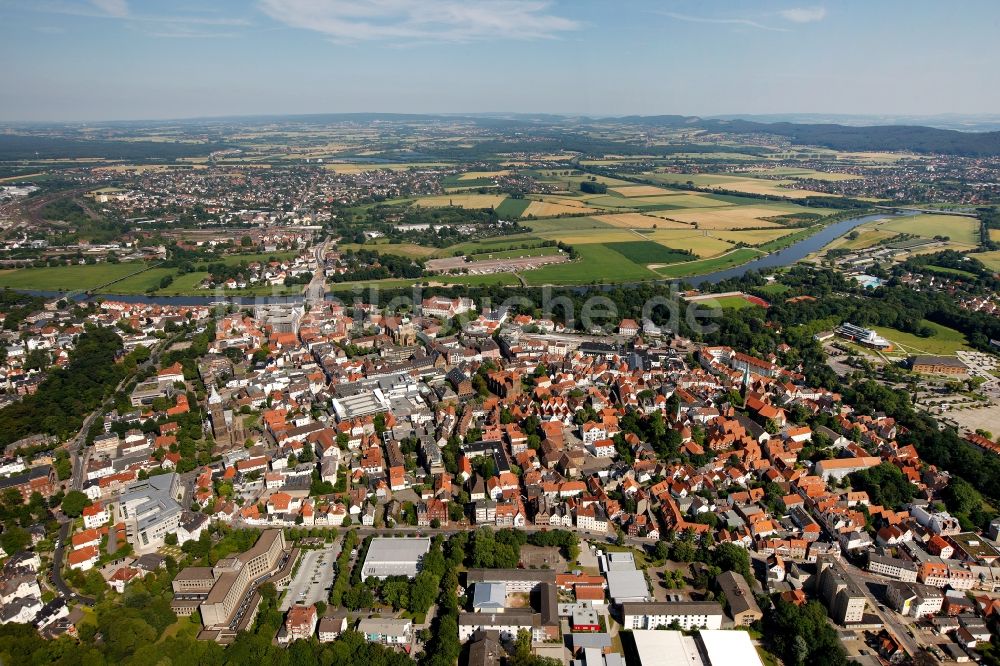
(136, 59)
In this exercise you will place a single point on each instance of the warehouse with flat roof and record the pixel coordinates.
(394, 557)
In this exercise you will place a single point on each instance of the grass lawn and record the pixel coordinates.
(390, 283)
(489, 279)
(648, 252)
(774, 289)
(596, 263)
(959, 229)
(67, 278)
(411, 250)
(512, 208)
(945, 341)
(949, 271)
(507, 254)
(138, 284)
(233, 259)
(734, 258)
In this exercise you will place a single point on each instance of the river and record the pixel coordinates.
(785, 257)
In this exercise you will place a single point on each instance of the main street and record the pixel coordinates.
(889, 617)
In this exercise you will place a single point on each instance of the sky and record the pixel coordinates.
(141, 59)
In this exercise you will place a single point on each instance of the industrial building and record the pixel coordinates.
(394, 557)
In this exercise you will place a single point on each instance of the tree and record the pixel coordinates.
(74, 503)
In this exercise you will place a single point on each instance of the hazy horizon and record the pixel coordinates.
(106, 60)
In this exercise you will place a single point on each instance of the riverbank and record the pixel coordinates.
(780, 258)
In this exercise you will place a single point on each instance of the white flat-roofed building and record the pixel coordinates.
(687, 614)
(708, 648)
(394, 557)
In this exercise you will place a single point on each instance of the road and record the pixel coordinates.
(56, 574)
(316, 289)
(889, 617)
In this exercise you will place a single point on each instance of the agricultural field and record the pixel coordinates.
(722, 262)
(596, 263)
(990, 259)
(629, 191)
(961, 230)
(945, 341)
(648, 252)
(565, 224)
(736, 183)
(67, 278)
(751, 236)
(512, 209)
(462, 200)
(358, 167)
(639, 221)
(553, 208)
(699, 242)
(730, 217)
(995, 235)
(795, 174)
(477, 175)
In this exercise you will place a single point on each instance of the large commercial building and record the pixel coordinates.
(938, 365)
(150, 510)
(226, 594)
(687, 614)
(394, 557)
(707, 648)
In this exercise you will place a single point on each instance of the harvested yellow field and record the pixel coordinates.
(751, 236)
(639, 221)
(757, 186)
(473, 175)
(990, 259)
(463, 200)
(587, 236)
(639, 191)
(995, 235)
(551, 208)
(733, 217)
(355, 167)
(695, 241)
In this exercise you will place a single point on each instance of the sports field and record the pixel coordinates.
(945, 341)
(67, 278)
(411, 250)
(728, 303)
(964, 230)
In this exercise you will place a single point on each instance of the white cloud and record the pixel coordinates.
(723, 21)
(803, 14)
(117, 8)
(421, 20)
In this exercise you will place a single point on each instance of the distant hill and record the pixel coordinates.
(915, 138)
(22, 147)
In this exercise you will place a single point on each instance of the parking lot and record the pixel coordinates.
(314, 578)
